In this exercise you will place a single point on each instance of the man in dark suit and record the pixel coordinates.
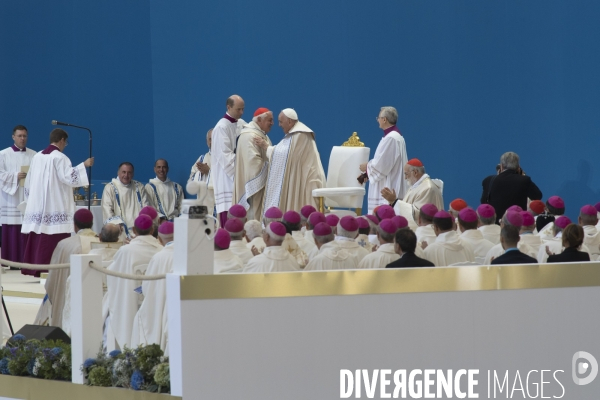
(406, 243)
(509, 237)
(510, 187)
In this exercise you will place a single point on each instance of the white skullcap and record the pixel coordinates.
(290, 113)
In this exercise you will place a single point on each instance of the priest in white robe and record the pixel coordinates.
(163, 194)
(48, 216)
(386, 169)
(295, 167)
(274, 258)
(122, 300)
(345, 238)
(251, 164)
(588, 219)
(330, 256)
(12, 161)
(556, 207)
(364, 229)
(235, 228)
(254, 235)
(467, 224)
(150, 325)
(425, 232)
(223, 155)
(225, 260)
(385, 253)
(124, 197)
(487, 223)
(201, 172)
(527, 233)
(513, 218)
(292, 222)
(314, 219)
(447, 249)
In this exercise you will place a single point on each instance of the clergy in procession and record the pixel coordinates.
(223, 155)
(527, 232)
(150, 322)
(511, 217)
(274, 258)
(588, 219)
(424, 231)
(385, 253)
(124, 197)
(386, 169)
(295, 167)
(201, 172)
(421, 190)
(330, 256)
(251, 164)
(121, 299)
(347, 232)
(235, 228)
(48, 215)
(447, 249)
(80, 243)
(12, 162)
(163, 194)
(487, 223)
(467, 225)
(254, 236)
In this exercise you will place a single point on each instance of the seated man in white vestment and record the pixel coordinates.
(425, 232)
(153, 214)
(330, 256)
(447, 249)
(311, 222)
(163, 194)
(421, 190)
(124, 197)
(299, 231)
(235, 227)
(150, 323)
(385, 253)
(555, 244)
(122, 300)
(272, 214)
(555, 207)
(292, 222)
(487, 223)
(588, 219)
(373, 223)
(304, 215)
(80, 243)
(254, 236)
(225, 260)
(274, 258)
(347, 232)
(527, 233)
(201, 172)
(467, 224)
(514, 218)
(239, 212)
(332, 220)
(364, 229)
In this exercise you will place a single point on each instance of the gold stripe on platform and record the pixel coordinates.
(30, 295)
(387, 281)
(39, 389)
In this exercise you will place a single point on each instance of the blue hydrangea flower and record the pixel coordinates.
(4, 366)
(18, 338)
(114, 353)
(89, 362)
(56, 351)
(30, 365)
(137, 380)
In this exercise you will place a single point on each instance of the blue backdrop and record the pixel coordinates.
(470, 80)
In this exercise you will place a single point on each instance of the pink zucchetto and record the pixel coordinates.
(514, 218)
(273, 212)
(515, 208)
(222, 239)
(307, 210)
(587, 210)
(362, 223)
(143, 222)
(332, 220)
(528, 219)
(234, 225)
(237, 211)
(387, 225)
(429, 209)
(84, 215)
(597, 206)
(322, 229)
(442, 214)
(467, 215)
(556, 202)
(562, 222)
(277, 229)
(537, 206)
(372, 218)
(400, 221)
(349, 223)
(316, 217)
(149, 211)
(486, 211)
(385, 212)
(291, 217)
(166, 228)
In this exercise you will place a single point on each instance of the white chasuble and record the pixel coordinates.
(166, 197)
(125, 201)
(331, 257)
(352, 247)
(384, 255)
(11, 194)
(226, 262)
(272, 259)
(424, 191)
(478, 243)
(448, 249)
(196, 175)
(490, 232)
(240, 249)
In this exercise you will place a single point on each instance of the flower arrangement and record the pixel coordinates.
(144, 368)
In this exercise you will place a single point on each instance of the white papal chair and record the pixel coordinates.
(342, 189)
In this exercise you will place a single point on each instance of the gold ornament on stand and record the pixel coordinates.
(353, 141)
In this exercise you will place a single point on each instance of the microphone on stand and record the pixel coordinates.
(55, 122)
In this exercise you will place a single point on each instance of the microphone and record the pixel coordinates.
(55, 122)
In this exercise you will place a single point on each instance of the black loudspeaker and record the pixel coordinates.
(42, 332)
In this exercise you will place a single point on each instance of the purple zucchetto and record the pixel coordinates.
(400, 221)
(362, 223)
(307, 210)
(322, 229)
(597, 206)
(589, 210)
(514, 218)
(234, 225)
(372, 218)
(84, 215)
(486, 211)
(277, 228)
(429, 209)
(315, 218)
(556, 202)
(143, 222)
(515, 208)
(222, 239)
(442, 214)
(562, 222)
(332, 220)
(349, 223)
(166, 228)
(149, 211)
(387, 225)
(528, 219)
(385, 212)
(273, 212)
(291, 217)
(468, 215)
(237, 211)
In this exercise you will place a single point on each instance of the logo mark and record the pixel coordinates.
(582, 361)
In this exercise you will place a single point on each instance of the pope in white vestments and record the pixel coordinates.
(124, 197)
(201, 172)
(274, 258)
(12, 160)
(163, 194)
(385, 253)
